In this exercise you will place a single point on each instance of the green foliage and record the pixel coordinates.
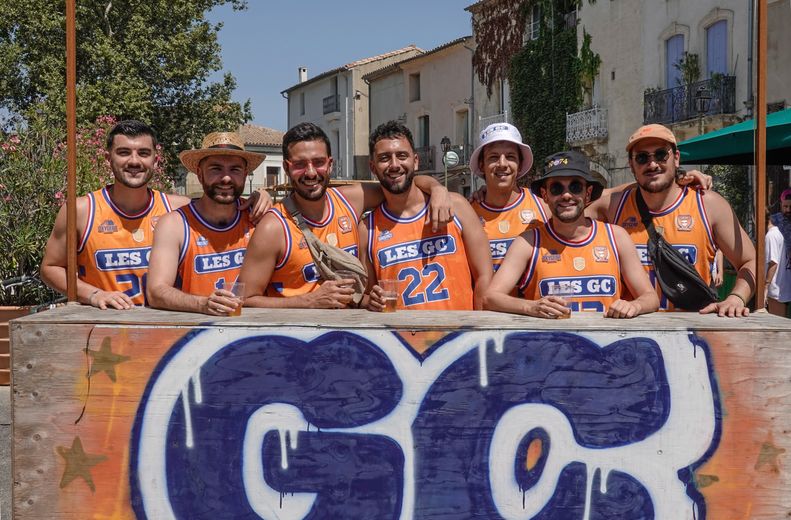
(689, 67)
(546, 83)
(33, 188)
(733, 183)
(140, 59)
(589, 63)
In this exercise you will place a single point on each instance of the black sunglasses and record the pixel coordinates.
(659, 155)
(557, 188)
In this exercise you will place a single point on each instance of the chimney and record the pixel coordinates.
(303, 74)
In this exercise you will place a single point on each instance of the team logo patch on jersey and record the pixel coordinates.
(503, 226)
(344, 224)
(332, 239)
(630, 222)
(138, 235)
(202, 241)
(108, 226)
(551, 258)
(386, 235)
(685, 222)
(601, 253)
(527, 216)
(578, 263)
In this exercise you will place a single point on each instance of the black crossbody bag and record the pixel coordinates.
(677, 278)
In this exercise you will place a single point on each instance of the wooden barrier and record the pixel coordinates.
(348, 414)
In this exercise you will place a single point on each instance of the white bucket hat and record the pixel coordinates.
(502, 132)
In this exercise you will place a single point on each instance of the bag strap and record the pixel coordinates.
(296, 214)
(645, 216)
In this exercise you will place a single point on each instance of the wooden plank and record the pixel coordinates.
(431, 418)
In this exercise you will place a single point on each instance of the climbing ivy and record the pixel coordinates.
(546, 82)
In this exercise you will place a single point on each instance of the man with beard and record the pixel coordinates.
(279, 270)
(200, 247)
(589, 258)
(446, 269)
(695, 222)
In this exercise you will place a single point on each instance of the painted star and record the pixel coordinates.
(104, 360)
(78, 463)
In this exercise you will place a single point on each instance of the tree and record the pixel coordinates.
(142, 59)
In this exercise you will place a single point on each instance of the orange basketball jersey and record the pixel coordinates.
(503, 225)
(683, 224)
(431, 266)
(590, 266)
(296, 273)
(210, 255)
(114, 249)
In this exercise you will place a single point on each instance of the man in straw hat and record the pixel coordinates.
(199, 248)
(571, 262)
(695, 222)
(444, 269)
(279, 270)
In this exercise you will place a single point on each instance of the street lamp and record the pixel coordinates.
(445, 144)
(702, 103)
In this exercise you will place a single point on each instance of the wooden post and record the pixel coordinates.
(760, 160)
(71, 152)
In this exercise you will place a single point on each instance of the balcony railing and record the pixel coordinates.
(463, 152)
(331, 104)
(426, 155)
(483, 122)
(678, 104)
(586, 125)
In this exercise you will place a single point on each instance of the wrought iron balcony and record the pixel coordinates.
(483, 122)
(331, 104)
(586, 125)
(426, 157)
(677, 104)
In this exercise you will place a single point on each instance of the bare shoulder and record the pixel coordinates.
(177, 201)
(169, 221)
(268, 229)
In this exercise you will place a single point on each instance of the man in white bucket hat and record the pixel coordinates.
(506, 209)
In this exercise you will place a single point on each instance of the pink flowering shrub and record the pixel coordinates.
(33, 188)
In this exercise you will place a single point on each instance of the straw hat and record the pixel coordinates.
(221, 143)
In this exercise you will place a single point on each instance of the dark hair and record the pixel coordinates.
(389, 130)
(130, 128)
(304, 132)
(483, 151)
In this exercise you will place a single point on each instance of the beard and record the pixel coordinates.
(132, 182)
(569, 216)
(214, 193)
(397, 188)
(656, 184)
(310, 194)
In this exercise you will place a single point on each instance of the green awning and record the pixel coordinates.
(735, 144)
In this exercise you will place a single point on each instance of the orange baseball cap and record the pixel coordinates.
(659, 131)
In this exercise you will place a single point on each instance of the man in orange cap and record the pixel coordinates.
(200, 247)
(696, 223)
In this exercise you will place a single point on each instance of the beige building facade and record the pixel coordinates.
(337, 102)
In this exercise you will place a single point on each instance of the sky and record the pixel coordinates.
(264, 45)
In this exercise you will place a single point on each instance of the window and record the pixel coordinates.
(534, 27)
(302, 103)
(423, 138)
(414, 87)
(674, 51)
(717, 48)
(272, 176)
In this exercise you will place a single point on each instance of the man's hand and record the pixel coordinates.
(110, 299)
(732, 307)
(548, 307)
(258, 204)
(220, 303)
(376, 299)
(440, 208)
(332, 294)
(622, 309)
(478, 195)
(695, 179)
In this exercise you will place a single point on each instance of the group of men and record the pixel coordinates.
(138, 246)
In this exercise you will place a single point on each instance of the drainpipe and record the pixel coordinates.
(750, 29)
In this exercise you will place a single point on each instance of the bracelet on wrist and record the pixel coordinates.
(740, 297)
(94, 293)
